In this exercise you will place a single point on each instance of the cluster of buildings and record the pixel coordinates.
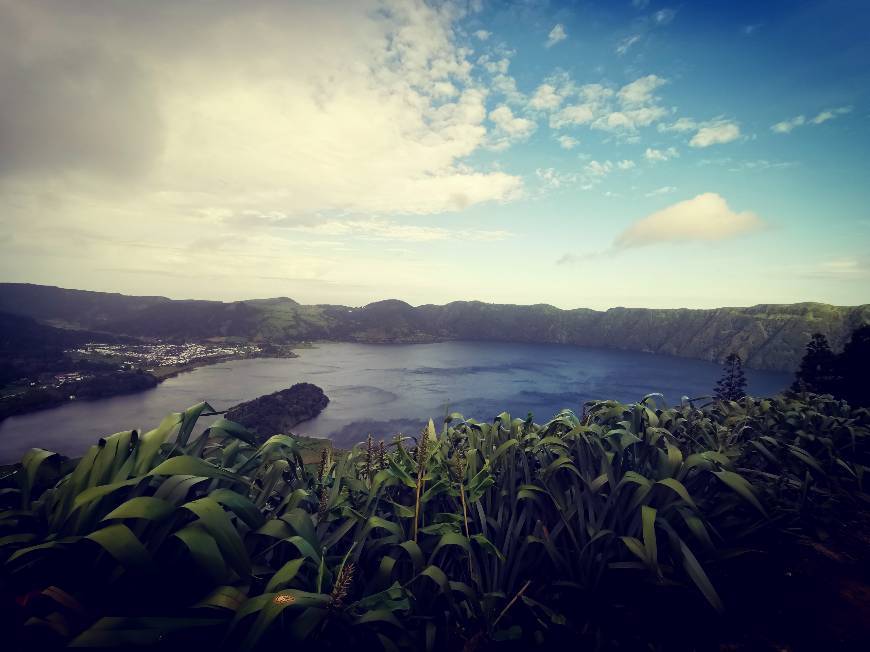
(63, 379)
(119, 358)
(150, 356)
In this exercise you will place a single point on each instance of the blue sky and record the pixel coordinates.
(595, 154)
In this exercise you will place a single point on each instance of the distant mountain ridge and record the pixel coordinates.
(767, 336)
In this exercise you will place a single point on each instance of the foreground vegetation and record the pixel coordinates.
(630, 526)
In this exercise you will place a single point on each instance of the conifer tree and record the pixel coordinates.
(732, 385)
(817, 372)
(852, 365)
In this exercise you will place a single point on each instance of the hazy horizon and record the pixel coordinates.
(597, 154)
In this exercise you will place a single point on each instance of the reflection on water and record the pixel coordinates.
(384, 389)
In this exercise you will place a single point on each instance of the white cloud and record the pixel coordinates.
(614, 121)
(482, 35)
(715, 133)
(844, 269)
(704, 218)
(553, 179)
(638, 106)
(654, 155)
(595, 171)
(598, 168)
(640, 91)
(567, 142)
(843, 266)
(787, 126)
(507, 86)
(145, 119)
(505, 120)
(644, 25)
(664, 16)
(630, 120)
(549, 176)
(494, 66)
(576, 114)
(380, 229)
(680, 125)
(761, 164)
(734, 165)
(509, 128)
(546, 97)
(664, 190)
(640, 4)
(592, 174)
(708, 133)
(236, 123)
(631, 107)
(749, 30)
(595, 93)
(830, 114)
(556, 35)
(501, 82)
(444, 89)
(625, 44)
(840, 269)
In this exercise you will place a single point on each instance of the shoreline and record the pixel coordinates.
(171, 371)
(348, 421)
(54, 398)
(282, 351)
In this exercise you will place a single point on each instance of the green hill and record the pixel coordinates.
(766, 336)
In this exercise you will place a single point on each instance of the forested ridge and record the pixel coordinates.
(765, 336)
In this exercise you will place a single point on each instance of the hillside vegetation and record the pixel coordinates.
(279, 411)
(628, 527)
(765, 336)
(28, 347)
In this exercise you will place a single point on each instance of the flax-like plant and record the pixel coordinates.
(481, 533)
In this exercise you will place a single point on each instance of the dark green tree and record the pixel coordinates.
(853, 369)
(817, 372)
(732, 385)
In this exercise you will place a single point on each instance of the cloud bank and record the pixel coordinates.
(787, 126)
(291, 106)
(556, 35)
(715, 133)
(704, 218)
(134, 134)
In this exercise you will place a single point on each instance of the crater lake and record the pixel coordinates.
(383, 389)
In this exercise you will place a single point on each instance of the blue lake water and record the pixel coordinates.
(384, 389)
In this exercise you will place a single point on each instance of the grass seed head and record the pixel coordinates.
(457, 465)
(422, 448)
(382, 454)
(321, 470)
(370, 457)
(323, 505)
(342, 585)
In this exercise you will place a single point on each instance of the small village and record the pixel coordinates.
(98, 370)
(160, 359)
(150, 357)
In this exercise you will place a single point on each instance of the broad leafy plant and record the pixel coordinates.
(465, 535)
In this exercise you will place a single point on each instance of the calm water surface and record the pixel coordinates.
(382, 389)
